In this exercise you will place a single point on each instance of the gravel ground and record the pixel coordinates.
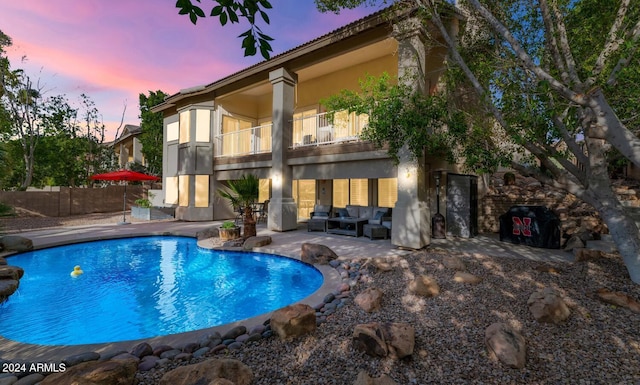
(598, 344)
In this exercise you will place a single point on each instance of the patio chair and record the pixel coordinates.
(318, 218)
(262, 213)
(239, 214)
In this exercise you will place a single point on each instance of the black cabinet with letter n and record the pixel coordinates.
(535, 226)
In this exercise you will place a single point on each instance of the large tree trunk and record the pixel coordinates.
(625, 234)
(621, 226)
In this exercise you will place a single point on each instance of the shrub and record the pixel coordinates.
(228, 225)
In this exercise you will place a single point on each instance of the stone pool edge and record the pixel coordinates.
(12, 351)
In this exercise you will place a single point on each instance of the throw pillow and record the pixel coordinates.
(379, 215)
(342, 213)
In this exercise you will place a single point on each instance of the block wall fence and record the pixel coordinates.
(67, 201)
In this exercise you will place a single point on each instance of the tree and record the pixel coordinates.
(551, 81)
(152, 126)
(243, 193)
(253, 39)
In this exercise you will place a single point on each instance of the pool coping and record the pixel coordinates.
(13, 351)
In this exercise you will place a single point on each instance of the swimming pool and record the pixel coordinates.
(143, 287)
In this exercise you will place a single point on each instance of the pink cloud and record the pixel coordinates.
(113, 51)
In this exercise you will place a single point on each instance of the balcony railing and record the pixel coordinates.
(310, 130)
(254, 140)
(319, 129)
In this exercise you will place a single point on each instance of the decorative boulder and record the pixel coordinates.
(370, 299)
(392, 339)
(2, 260)
(400, 338)
(11, 272)
(618, 299)
(454, 263)
(208, 372)
(7, 287)
(211, 232)
(369, 338)
(581, 254)
(463, 277)
(252, 242)
(316, 254)
(16, 243)
(547, 306)
(293, 321)
(96, 373)
(141, 350)
(575, 242)
(506, 345)
(365, 379)
(425, 286)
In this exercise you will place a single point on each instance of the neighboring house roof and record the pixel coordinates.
(129, 131)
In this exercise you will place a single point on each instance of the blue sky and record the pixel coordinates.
(114, 50)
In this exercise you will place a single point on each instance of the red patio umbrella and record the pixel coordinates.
(125, 175)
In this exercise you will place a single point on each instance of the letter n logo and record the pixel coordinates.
(522, 225)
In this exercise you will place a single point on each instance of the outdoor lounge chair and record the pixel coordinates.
(318, 218)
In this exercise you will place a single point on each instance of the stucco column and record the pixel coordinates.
(411, 215)
(283, 212)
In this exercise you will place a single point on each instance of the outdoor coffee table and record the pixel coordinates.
(346, 226)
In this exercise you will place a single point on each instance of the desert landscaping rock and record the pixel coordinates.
(425, 286)
(364, 379)
(293, 321)
(257, 241)
(316, 254)
(619, 299)
(11, 272)
(80, 358)
(142, 349)
(582, 254)
(506, 344)
(370, 300)
(454, 262)
(7, 288)
(96, 373)
(547, 306)
(16, 243)
(469, 278)
(208, 371)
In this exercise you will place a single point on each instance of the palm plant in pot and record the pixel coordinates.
(243, 193)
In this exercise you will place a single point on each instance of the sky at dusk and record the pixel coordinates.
(114, 50)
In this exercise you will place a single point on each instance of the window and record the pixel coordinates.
(387, 192)
(304, 193)
(359, 192)
(350, 192)
(236, 136)
(264, 190)
(340, 192)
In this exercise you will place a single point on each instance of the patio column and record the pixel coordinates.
(411, 216)
(283, 212)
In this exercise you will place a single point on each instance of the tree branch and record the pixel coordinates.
(564, 45)
(551, 41)
(612, 43)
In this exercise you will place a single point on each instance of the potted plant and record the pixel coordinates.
(143, 209)
(229, 231)
(243, 193)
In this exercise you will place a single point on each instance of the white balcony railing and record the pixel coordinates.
(310, 130)
(254, 140)
(318, 129)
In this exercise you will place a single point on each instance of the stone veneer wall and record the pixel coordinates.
(575, 215)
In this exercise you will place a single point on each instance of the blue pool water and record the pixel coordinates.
(144, 287)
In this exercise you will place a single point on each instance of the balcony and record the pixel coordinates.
(251, 141)
(318, 129)
(312, 130)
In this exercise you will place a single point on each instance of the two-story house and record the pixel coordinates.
(267, 120)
